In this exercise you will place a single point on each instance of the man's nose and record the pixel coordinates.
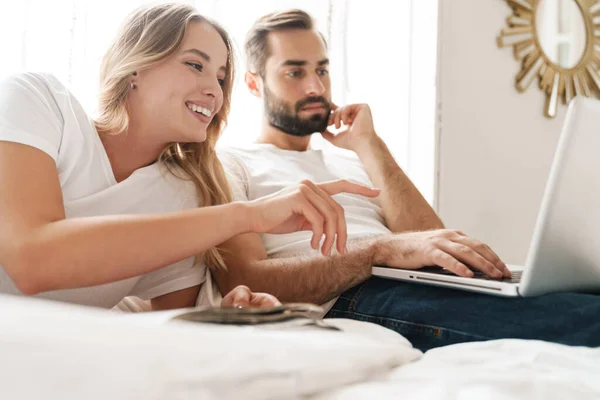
(314, 86)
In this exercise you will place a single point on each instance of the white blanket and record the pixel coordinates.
(496, 370)
(51, 350)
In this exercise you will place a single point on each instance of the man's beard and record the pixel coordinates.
(282, 117)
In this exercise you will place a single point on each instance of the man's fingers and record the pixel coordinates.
(470, 257)
(487, 253)
(332, 114)
(343, 115)
(339, 186)
(446, 261)
(337, 118)
(329, 136)
(330, 119)
(348, 114)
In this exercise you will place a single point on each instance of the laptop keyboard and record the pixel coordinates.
(515, 278)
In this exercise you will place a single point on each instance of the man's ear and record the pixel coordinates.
(254, 83)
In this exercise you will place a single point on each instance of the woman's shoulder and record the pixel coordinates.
(28, 80)
(33, 85)
(40, 94)
(34, 77)
(36, 109)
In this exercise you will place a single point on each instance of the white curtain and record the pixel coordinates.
(382, 53)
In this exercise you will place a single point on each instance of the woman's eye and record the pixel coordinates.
(221, 82)
(195, 66)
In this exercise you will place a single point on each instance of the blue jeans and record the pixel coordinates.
(431, 316)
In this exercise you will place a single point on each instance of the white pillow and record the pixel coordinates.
(55, 350)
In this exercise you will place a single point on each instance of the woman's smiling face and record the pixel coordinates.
(181, 95)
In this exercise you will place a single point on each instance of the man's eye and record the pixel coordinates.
(323, 72)
(294, 74)
(195, 66)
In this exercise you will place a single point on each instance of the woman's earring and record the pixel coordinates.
(132, 85)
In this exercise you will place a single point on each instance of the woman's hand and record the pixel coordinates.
(242, 296)
(307, 207)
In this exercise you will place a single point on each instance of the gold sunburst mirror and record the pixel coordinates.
(557, 41)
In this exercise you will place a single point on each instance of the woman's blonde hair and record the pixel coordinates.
(149, 36)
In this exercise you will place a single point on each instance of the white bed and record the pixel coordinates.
(51, 350)
(496, 370)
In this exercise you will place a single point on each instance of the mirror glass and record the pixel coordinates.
(561, 31)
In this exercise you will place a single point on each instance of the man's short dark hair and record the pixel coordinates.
(256, 46)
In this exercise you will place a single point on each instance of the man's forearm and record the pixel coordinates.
(311, 278)
(404, 207)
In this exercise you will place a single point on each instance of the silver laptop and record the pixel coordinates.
(564, 254)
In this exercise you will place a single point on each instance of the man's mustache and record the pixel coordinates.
(312, 100)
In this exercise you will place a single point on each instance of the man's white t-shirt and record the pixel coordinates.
(38, 111)
(262, 169)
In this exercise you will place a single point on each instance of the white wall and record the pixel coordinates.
(495, 146)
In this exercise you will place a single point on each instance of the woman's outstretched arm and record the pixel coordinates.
(41, 250)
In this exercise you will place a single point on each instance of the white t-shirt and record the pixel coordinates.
(37, 110)
(262, 169)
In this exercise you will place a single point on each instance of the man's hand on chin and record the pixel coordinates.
(359, 132)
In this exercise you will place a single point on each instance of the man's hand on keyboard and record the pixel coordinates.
(447, 248)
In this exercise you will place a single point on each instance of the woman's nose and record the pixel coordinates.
(211, 88)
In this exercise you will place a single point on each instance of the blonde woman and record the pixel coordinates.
(96, 210)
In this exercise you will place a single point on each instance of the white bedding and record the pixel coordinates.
(496, 370)
(51, 350)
